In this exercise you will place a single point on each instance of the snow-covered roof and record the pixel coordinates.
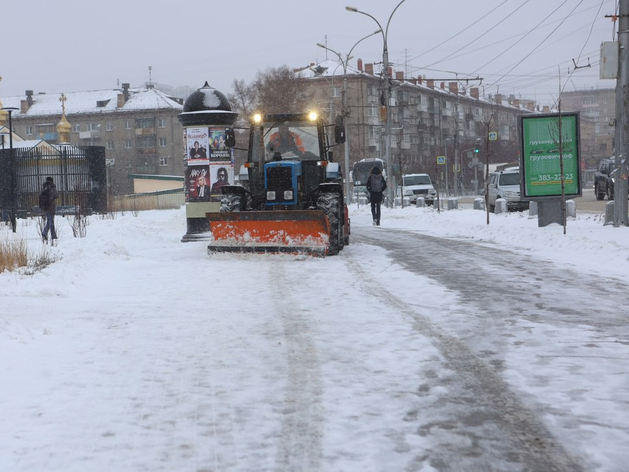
(96, 101)
(334, 68)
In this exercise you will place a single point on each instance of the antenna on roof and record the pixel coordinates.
(150, 81)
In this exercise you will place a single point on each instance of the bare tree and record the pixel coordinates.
(278, 90)
(243, 99)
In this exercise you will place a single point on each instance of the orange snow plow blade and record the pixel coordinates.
(290, 231)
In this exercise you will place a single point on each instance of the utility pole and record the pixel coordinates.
(622, 120)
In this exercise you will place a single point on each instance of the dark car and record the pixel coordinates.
(603, 183)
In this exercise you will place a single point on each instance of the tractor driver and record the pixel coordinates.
(284, 140)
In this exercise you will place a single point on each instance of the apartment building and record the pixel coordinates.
(428, 119)
(137, 127)
(597, 108)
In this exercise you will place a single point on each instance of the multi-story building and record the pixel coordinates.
(427, 119)
(138, 128)
(597, 109)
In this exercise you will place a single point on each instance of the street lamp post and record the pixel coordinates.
(345, 111)
(385, 65)
(10, 110)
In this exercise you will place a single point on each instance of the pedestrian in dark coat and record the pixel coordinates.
(49, 210)
(376, 185)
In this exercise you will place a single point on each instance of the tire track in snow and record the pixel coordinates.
(300, 447)
(520, 441)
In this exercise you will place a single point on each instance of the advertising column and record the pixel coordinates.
(209, 161)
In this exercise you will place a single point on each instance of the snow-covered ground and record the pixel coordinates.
(134, 351)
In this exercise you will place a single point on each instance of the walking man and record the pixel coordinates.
(48, 204)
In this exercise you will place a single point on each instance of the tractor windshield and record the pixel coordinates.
(290, 140)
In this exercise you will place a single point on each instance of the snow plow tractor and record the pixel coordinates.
(290, 199)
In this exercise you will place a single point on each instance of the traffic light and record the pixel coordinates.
(477, 147)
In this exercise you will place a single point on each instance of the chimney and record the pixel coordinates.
(453, 87)
(546, 109)
(498, 99)
(359, 64)
(443, 85)
(419, 80)
(390, 72)
(125, 91)
(474, 92)
(399, 75)
(430, 83)
(369, 69)
(516, 102)
(26, 104)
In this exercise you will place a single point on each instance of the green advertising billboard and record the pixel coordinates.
(547, 140)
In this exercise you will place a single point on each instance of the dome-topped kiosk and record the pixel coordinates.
(208, 139)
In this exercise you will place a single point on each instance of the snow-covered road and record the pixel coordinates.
(135, 352)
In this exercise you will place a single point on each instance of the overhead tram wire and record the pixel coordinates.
(580, 52)
(478, 37)
(460, 32)
(522, 38)
(536, 47)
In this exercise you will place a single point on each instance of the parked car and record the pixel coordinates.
(603, 183)
(419, 185)
(506, 184)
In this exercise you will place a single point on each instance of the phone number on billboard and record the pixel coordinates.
(553, 177)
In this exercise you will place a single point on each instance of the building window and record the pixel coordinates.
(109, 126)
(335, 92)
(77, 128)
(127, 124)
(93, 127)
(128, 144)
(162, 123)
(143, 123)
(163, 142)
(29, 130)
(145, 141)
(163, 161)
(110, 145)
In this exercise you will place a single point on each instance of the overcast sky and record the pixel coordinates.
(521, 47)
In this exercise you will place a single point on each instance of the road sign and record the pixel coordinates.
(441, 159)
(493, 136)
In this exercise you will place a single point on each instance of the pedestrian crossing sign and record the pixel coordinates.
(441, 159)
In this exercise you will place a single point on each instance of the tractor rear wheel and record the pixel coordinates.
(331, 205)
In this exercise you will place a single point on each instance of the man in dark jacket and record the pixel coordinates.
(50, 209)
(376, 185)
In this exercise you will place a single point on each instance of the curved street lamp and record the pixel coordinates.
(387, 91)
(345, 111)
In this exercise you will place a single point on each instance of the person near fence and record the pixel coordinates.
(48, 204)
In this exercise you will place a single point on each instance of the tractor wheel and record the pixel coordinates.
(331, 205)
(231, 202)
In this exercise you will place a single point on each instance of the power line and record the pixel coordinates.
(460, 32)
(542, 42)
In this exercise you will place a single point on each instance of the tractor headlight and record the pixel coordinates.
(288, 194)
(270, 195)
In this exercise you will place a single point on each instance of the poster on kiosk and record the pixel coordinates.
(209, 163)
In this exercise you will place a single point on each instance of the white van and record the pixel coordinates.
(419, 185)
(506, 184)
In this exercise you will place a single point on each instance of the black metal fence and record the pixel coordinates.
(79, 173)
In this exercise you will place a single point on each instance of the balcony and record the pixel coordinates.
(144, 131)
(89, 135)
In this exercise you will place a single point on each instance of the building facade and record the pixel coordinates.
(137, 127)
(428, 120)
(597, 110)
